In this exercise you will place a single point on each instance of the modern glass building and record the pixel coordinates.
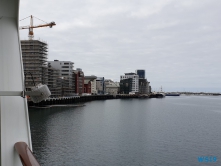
(126, 85)
(140, 73)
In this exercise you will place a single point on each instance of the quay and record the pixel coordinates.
(79, 99)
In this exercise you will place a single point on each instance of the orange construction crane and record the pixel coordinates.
(31, 26)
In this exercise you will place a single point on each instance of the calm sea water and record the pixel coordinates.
(173, 131)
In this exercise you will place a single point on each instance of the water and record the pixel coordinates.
(125, 132)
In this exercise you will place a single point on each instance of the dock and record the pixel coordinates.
(65, 101)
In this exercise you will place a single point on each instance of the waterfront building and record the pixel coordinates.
(65, 82)
(126, 85)
(93, 81)
(143, 83)
(53, 76)
(64, 85)
(87, 86)
(66, 69)
(143, 86)
(34, 55)
(79, 81)
(135, 81)
(112, 88)
(140, 73)
(100, 85)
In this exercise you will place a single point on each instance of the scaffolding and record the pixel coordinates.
(34, 55)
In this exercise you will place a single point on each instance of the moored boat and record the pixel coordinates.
(157, 95)
(172, 94)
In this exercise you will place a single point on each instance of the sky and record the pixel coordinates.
(177, 42)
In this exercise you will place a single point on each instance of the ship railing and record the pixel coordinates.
(26, 156)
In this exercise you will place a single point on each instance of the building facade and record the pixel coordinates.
(79, 81)
(66, 69)
(65, 82)
(135, 81)
(126, 85)
(100, 85)
(93, 81)
(112, 88)
(143, 83)
(53, 76)
(143, 86)
(34, 55)
(140, 73)
(87, 87)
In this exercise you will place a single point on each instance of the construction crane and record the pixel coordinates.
(31, 26)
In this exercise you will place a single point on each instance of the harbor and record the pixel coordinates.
(61, 101)
(85, 90)
(128, 132)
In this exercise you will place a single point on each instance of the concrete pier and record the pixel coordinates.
(80, 99)
(70, 100)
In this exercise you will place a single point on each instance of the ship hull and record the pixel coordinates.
(13, 109)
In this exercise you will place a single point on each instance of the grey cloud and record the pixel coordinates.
(177, 42)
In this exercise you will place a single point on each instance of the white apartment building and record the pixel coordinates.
(65, 67)
(135, 81)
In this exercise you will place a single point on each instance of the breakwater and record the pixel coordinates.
(78, 99)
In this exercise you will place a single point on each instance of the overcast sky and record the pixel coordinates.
(177, 42)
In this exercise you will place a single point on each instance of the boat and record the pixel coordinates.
(172, 94)
(160, 94)
(15, 130)
(157, 95)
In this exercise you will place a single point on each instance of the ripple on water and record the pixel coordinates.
(170, 131)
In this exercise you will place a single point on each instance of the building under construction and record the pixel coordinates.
(34, 54)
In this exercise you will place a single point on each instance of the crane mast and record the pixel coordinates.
(31, 27)
(31, 33)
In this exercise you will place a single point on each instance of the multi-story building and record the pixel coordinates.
(126, 85)
(65, 89)
(66, 69)
(112, 88)
(79, 81)
(135, 81)
(100, 85)
(34, 55)
(53, 77)
(65, 82)
(87, 86)
(143, 86)
(143, 83)
(140, 73)
(93, 81)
